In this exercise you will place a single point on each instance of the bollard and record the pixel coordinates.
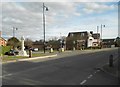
(51, 50)
(73, 48)
(111, 60)
(30, 53)
(62, 49)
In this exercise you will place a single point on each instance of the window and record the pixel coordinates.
(82, 34)
(72, 35)
(90, 39)
(95, 44)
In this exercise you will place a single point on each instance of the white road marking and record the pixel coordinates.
(83, 82)
(6, 75)
(90, 76)
(95, 72)
(98, 70)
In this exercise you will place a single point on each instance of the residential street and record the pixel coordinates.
(82, 69)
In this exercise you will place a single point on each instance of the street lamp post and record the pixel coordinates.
(44, 8)
(14, 31)
(61, 43)
(97, 34)
(101, 33)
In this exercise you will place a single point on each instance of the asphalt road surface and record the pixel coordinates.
(82, 69)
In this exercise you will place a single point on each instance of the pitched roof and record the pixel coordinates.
(2, 38)
(76, 33)
(107, 40)
(96, 35)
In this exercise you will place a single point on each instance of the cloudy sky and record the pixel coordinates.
(63, 17)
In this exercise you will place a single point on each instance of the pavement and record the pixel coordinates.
(114, 70)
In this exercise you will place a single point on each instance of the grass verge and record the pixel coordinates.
(10, 58)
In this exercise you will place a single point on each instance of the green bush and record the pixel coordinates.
(4, 49)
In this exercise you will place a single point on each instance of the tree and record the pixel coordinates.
(28, 43)
(117, 42)
(54, 43)
(13, 42)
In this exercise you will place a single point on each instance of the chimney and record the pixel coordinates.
(91, 32)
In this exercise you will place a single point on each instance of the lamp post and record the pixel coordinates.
(14, 31)
(97, 34)
(101, 33)
(44, 8)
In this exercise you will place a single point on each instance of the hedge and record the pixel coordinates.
(4, 49)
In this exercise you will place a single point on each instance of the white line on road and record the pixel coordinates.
(95, 72)
(90, 76)
(83, 82)
(6, 75)
(98, 70)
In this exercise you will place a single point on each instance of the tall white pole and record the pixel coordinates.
(22, 43)
(101, 32)
(97, 33)
(44, 26)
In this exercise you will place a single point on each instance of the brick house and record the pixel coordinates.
(81, 40)
(2, 41)
(76, 40)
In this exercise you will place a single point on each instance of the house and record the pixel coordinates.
(108, 43)
(94, 40)
(76, 40)
(81, 40)
(2, 40)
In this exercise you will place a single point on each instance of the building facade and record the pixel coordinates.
(81, 40)
(76, 40)
(2, 40)
(108, 43)
(94, 40)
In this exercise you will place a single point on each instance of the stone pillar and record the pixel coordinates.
(22, 52)
(22, 43)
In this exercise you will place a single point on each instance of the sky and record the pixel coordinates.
(62, 17)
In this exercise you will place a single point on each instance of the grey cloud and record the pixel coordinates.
(97, 7)
(27, 17)
(61, 1)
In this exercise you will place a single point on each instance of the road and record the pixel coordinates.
(70, 70)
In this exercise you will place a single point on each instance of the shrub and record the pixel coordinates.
(5, 49)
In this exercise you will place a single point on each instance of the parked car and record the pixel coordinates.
(34, 49)
(12, 52)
